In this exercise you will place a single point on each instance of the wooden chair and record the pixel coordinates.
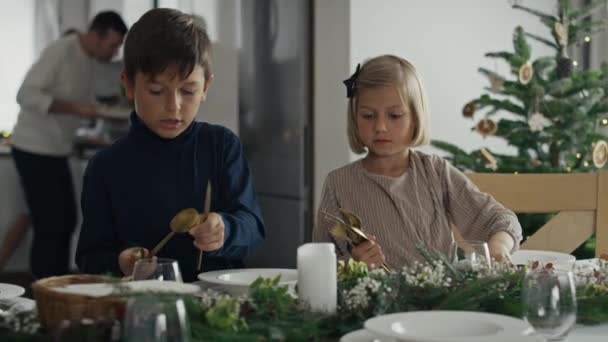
(579, 199)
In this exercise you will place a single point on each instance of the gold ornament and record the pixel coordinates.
(486, 127)
(600, 153)
(536, 162)
(496, 83)
(525, 73)
(561, 32)
(468, 110)
(492, 163)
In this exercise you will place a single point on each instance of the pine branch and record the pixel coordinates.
(515, 89)
(544, 66)
(476, 293)
(448, 147)
(586, 10)
(594, 96)
(543, 40)
(585, 28)
(547, 19)
(485, 100)
(431, 256)
(559, 87)
(521, 47)
(489, 73)
(507, 56)
(600, 108)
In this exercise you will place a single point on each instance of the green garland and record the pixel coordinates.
(271, 313)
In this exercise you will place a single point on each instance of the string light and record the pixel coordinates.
(568, 168)
(585, 163)
(578, 155)
(605, 122)
(587, 39)
(515, 172)
(575, 63)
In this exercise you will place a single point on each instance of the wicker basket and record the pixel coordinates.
(55, 307)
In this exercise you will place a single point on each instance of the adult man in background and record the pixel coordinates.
(57, 93)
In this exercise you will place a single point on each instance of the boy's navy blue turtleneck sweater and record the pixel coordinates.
(133, 188)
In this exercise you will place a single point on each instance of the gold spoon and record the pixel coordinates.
(207, 209)
(185, 220)
(182, 222)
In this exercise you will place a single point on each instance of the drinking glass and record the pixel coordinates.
(158, 269)
(549, 302)
(156, 319)
(470, 253)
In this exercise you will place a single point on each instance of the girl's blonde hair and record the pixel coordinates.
(390, 70)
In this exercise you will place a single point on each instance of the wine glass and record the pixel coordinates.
(158, 269)
(549, 302)
(156, 319)
(472, 254)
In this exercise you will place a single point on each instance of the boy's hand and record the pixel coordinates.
(369, 252)
(128, 257)
(209, 233)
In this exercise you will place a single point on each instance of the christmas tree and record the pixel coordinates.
(557, 110)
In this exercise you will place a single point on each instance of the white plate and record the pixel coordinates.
(18, 304)
(448, 326)
(237, 281)
(526, 257)
(106, 289)
(10, 291)
(363, 335)
(162, 286)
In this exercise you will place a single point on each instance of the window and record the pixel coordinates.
(17, 36)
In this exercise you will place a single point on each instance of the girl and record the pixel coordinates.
(405, 196)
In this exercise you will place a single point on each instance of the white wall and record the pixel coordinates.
(330, 65)
(222, 17)
(446, 41)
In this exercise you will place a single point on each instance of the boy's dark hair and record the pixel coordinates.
(162, 37)
(108, 20)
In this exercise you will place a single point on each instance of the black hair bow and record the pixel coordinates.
(351, 82)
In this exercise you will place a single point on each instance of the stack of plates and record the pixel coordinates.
(10, 291)
(236, 282)
(443, 326)
(10, 298)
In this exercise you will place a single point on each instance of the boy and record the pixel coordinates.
(133, 189)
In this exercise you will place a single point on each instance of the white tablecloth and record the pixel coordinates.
(581, 333)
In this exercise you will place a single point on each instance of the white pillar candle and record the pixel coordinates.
(317, 280)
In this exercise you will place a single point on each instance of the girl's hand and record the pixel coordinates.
(369, 252)
(500, 245)
(128, 258)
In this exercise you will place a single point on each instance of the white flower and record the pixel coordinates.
(538, 122)
(358, 296)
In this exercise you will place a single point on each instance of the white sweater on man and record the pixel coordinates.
(63, 71)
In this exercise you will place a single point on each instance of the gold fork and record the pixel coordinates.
(355, 230)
